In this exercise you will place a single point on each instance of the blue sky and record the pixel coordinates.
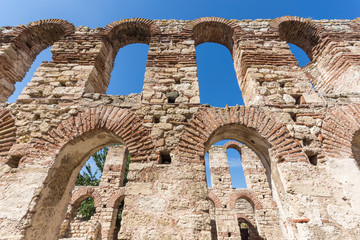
(215, 66)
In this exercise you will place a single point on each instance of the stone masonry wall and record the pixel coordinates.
(302, 173)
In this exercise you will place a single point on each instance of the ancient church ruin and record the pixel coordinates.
(299, 131)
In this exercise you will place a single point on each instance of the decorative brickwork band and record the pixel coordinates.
(7, 133)
(209, 120)
(213, 29)
(149, 24)
(116, 198)
(301, 32)
(214, 198)
(83, 193)
(234, 145)
(339, 129)
(24, 44)
(127, 31)
(121, 122)
(249, 195)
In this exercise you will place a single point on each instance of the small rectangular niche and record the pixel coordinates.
(156, 119)
(313, 159)
(164, 157)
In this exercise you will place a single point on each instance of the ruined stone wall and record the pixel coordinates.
(298, 139)
(107, 198)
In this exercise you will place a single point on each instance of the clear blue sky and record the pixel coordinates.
(215, 66)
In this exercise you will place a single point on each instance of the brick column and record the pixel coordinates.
(171, 72)
(111, 180)
(268, 73)
(226, 222)
(78, 66)
(219, 168)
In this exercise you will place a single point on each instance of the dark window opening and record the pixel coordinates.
(298, 99)
(313, 159)
(14, 161)
(156, 119)
(171, 96)
(213, 230)
(307, 142)
(118, 220)
(244, 229)
(165, 157)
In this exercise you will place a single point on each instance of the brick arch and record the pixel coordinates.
(69, 145)
(213, 29)
(204, 127)
(121, 122)
(235, 145)
(116, 198)
(7, 135)
(214, 198)
(339, 128)
(301, 32)
(82, 193)
(27, 42)
(239, 215)
(246, 194)
(41, 29)
(127, 31)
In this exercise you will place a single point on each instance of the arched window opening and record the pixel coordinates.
(129, 69)
(207, 169)
(303, 34)
(226, 164)
(80, 219)
(299, 54)
(246, 220)
(217, 78)
(236, 168)
(103, 173)
(44, 55)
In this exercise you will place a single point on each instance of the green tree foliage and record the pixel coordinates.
(87, 209)
(87, 177)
